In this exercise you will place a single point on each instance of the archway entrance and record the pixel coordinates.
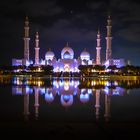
(66, 68)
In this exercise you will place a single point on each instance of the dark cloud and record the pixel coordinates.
(130, 34)
(65, 30)
(31, 8)
(59, 21)
(99, 5)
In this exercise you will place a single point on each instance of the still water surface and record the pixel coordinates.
(69, 100)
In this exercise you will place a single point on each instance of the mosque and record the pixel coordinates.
(67, 62)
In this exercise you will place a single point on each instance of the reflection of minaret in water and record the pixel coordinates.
(97, 105)
(26, 104)
(107, 107)
(36, 92)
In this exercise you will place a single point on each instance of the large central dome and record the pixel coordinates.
(67, 52)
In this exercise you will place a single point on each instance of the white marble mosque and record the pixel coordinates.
(67, 62)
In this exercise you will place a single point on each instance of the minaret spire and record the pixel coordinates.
(37, 49)
(98, 49)
(109, 39)
(26, 40)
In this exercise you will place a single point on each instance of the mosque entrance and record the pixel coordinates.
(66, 68)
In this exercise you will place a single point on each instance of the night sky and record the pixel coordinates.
(73, 21)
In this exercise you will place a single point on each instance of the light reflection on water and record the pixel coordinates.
(97, 91)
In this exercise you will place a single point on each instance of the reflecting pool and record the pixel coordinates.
(78, 101)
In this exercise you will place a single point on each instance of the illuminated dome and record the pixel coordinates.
(67, 52)
(49, 97)
(49, 55)
(85, 55)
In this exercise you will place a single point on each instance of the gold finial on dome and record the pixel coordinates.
(67, 44)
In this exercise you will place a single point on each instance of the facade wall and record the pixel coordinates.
(17, 62)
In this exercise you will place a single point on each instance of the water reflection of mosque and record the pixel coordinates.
(68, 89)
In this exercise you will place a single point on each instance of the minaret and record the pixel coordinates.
(26, 41)
(97, 105)
(37, 49)
(98, 49)
(108, 39)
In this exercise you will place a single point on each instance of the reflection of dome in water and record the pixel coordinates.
(84, 98)
(66, 100)
(49, 55)
(49, 97)
(67, 52)
(85, 55)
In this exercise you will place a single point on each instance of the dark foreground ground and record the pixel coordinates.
(45, 131)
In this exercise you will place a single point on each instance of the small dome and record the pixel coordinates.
(49, 55)
(85, 55)
(49, 97)
(67, 52)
